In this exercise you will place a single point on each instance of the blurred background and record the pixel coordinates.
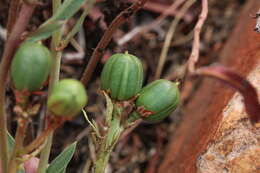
(142, 35)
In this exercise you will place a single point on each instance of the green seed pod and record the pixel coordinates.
(122, 76)
(30, 66)
(67, 98)
(157, 100)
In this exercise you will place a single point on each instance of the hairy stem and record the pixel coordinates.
(108, 143)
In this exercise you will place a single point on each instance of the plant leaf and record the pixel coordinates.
(64, 12)
(78, 24)
(10, 142)
(67, 9)
(59, 164)
(63, 170)
(45, 30)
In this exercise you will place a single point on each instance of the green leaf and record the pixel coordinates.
(67, 9)
(45, 30)
(59, 164)
(63, 170)
(114, 132)
(64, 12)
(10, 142)
(79, 23)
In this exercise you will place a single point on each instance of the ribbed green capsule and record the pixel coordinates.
(30, 66)
(67, 98)
(122, 76)
(157, 100)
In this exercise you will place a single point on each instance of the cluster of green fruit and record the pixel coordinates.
(30, 69)
(122, 78)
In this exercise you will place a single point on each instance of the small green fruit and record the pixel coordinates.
(30, 66)
(122, 76)
(67, 98)
(157, 100)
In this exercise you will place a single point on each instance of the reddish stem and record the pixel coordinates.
(242, 85)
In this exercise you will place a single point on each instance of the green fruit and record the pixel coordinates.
(67, 98)
(30, 66)
(122, 76)
(157, 100)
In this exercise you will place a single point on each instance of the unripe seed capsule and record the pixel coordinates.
(122, 76)
(30, 66)
(67, 98)
(157, 100)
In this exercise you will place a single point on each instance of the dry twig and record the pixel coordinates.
(169, 37)
(156, 22)
(194, 56)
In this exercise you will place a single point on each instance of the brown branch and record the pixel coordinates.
(53, 122)
(12, 15)
(119, 20)
(10, 46)
(194, 56)
(242, 85)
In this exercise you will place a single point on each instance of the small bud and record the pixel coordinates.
(157, 100)
(67, 98)
(30, 66)
(122, 76)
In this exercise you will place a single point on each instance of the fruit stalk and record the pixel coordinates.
(19, 138)
(107, 145)
(54, 78)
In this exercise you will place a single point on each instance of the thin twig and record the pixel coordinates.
(242, 85)
(151, 25)
(10, 46)
(119, 20)
(53, 123)
(194, 56)
(169, 37)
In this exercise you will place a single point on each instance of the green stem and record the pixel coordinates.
(19, 137)
(102, 161)
(107, 145)
(54, 78)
